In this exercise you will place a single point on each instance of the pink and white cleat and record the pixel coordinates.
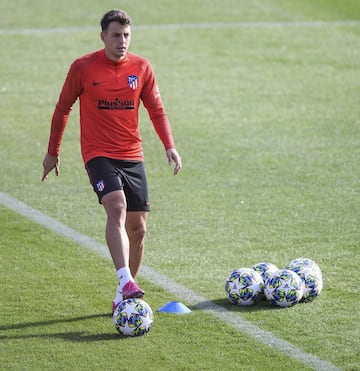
(130, 290)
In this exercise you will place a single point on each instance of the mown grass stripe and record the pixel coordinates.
(272, 24)
(171, 286)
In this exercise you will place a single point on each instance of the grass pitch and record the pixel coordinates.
(265, 112)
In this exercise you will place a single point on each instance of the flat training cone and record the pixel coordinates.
(174, 307)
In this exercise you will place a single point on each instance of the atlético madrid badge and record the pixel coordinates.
(133, 81)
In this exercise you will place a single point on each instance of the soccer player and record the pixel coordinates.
(110, 84)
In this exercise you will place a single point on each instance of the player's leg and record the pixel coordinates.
(119, 247)
(105, 178)
(137, 198)
(136, 230)
(116, 236)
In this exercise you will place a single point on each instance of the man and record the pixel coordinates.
(110, 83)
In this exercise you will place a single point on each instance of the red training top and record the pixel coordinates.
(110, 94)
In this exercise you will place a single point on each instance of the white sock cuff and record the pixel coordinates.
(124, 275)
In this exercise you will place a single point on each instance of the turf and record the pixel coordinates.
(266, 117)
(56, 309)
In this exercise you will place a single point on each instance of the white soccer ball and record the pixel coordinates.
(265, 269)
(244, 286)
(133, 317)
(284, 288)
(311, 275)
(300, 263)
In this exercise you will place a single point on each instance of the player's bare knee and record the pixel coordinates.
(115, 205)
(141, 231)
(137, 233)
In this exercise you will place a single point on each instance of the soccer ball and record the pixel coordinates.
(311, 275)
(284, 288)
(133, 317)
(265, 269)
(244, 286)
(300, 263)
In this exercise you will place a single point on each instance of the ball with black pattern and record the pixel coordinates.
(284, 288)
(133, 317)
(310, 273)
(244, 286)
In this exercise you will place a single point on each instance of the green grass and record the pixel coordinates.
(55, 305)
(267, 122)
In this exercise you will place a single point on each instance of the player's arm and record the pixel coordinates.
(153, 103)
(69, 93)
(162, 127)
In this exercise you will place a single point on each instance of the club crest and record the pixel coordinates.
(133, 81)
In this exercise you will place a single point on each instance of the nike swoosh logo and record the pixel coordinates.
(97, 82)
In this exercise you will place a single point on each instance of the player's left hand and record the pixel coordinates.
(173, 156)
(50, 162)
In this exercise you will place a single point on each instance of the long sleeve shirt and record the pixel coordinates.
(110, 94)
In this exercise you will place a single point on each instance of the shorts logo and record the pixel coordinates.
(133, 81)
(100, 186)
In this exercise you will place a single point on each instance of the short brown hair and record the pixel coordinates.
(115, 15)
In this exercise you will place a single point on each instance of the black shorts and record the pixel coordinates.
(107, 175)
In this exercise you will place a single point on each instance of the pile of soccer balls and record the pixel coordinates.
(133, 317)
(300, 281)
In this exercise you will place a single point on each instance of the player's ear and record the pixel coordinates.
(102, 36)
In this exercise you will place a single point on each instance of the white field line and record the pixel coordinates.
(171, 26)
(169, 285)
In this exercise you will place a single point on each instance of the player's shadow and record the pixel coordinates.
(223, 304)
(76, 336)
(22, 325)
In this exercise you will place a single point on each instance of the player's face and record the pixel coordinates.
(116, 40)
